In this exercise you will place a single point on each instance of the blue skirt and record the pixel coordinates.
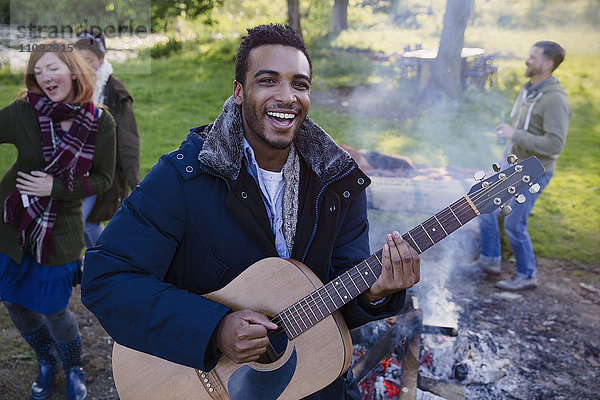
(41, 288)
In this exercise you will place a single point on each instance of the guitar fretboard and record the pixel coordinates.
(305, 313)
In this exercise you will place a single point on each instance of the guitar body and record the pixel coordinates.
(310, 361)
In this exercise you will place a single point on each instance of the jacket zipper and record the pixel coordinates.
(209, 172)
(318, 206)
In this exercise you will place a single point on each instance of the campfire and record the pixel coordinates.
(421, 352)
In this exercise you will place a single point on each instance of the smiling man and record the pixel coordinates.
(274, 102)
(262, 180)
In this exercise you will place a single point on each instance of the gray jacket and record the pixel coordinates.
(541, 121)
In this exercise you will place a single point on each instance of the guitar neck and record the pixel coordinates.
(305, 313)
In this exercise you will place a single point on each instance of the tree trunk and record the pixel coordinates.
(340, 16)
(447, 67)
(294, 15)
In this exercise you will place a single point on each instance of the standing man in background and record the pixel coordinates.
(541, 116)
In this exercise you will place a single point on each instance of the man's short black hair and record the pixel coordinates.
(552, 51)
(265, 35)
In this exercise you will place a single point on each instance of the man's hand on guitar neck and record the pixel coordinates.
(401, 268)
(242, 335)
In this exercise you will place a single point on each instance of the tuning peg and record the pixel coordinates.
(520, 199)
(496, 167)
(505, 210)
(479, 175)
(534, 188)
(512, 159)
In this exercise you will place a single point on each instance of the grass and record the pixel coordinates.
(183, 91)
(188, 88)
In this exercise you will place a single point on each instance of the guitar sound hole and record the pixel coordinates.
(277, 345)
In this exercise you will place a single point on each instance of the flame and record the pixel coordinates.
(391, 390)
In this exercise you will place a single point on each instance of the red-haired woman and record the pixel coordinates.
(66, 151)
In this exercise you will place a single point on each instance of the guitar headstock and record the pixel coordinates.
(494, 192)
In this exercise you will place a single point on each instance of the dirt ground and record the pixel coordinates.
(551, 336)
(18, 370)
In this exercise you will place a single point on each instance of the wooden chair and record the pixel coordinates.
(490, 69)
(474, 72)
(410, 67)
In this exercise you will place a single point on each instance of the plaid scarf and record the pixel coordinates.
(68, 158)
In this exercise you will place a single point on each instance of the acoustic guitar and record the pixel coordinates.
(312, 346)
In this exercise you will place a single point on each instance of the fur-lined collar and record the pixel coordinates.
(223, 146)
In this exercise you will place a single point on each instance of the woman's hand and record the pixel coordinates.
(37, 183)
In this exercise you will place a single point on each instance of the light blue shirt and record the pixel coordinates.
(274, 206)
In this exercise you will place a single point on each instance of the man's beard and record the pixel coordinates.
(258, 128)
(529, 72)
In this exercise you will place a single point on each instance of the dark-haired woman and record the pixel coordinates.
(111, 92)
(66, 151)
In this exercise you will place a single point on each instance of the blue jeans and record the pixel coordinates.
(515, 226)
(91, 231)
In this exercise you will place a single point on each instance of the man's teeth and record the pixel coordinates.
(281, 115)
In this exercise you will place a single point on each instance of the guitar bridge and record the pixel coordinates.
(212, 385)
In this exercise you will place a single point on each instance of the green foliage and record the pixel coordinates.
(164, 12)
(184, 90)
(220, 51)
(235, 16)
(415, 14)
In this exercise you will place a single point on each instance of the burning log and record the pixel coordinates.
(403, 328)
(386, 355)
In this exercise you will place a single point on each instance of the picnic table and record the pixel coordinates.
(418, 62)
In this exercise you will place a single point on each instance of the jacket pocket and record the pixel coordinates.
(209, 275)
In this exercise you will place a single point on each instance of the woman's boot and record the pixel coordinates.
(41, 342)
(70, 355)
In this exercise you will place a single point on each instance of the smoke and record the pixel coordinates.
(441, 265)
(386, 116)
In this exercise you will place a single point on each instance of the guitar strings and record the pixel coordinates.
(446, 215)
(295, 313)
(307, 324)
(352, 275)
